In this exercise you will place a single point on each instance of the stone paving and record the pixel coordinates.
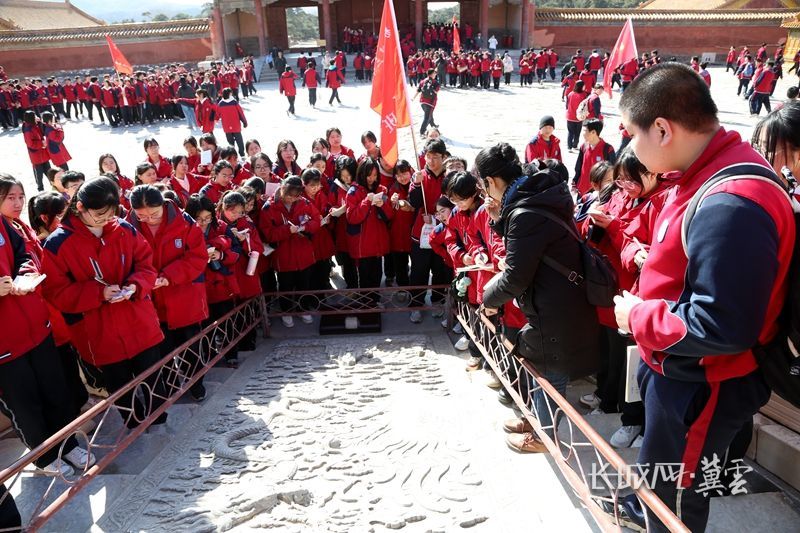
(469, 120)
(368, 433)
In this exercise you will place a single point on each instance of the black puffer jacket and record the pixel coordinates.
(564, 325)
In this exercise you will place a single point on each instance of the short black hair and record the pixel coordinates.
(593, 124)
(436, 146)
(668, 90)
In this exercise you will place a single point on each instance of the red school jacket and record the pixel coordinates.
(196, 184)
(205, 113)
(34, 141)
(311, 78)
(163, 167)
(425, 195)
(220, 276)
(293, 251)
(438, 245)
(179, 255)
(231, 115)
(402, 221)
(333, 79)
(538, 148)
(458, 247)
(367, 224)
(322, 239)
(249, 286)
(102, 332)
(214, 191)
(704, 309)
(336, 198)
(286, 84)
(55, 145)
(26, 316)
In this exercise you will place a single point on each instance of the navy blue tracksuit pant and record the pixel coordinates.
(689, 422)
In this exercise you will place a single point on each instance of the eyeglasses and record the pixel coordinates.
(103, 220)
(151, 217)
(261, 167)
(204, 220)
(628, 185)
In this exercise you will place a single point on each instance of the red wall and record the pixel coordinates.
(668, 40)
(47, 60)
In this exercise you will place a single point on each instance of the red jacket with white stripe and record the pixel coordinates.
(231, 115)
(710, 299)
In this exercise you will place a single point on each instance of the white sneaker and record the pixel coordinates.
(56, 468)
(444, 323)
(458, 329)
(80, 458)
(492, 382)
(288, 321)
(590, 400)
(637, 442)
(462, 343)
(624, 436)
(307, 319)
(415, 317)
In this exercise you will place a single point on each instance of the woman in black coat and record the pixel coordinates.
(563, 329)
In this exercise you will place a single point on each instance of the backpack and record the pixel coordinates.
(583, 110)
(778, 360)
(597, 276)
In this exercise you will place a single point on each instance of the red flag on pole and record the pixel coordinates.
(389, 98)
(121, 65)
(623, 51)
(456, 37)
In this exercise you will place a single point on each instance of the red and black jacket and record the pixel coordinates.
(179, 255)
(367, 224)
(293, 251)
(102, 332)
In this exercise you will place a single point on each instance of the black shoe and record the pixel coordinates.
(504, 397)
(629, 511)
(198, 392)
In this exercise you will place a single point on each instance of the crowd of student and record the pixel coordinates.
(218, 225)
(156, 95)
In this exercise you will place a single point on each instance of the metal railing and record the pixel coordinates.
(577, 449)
(174, 374)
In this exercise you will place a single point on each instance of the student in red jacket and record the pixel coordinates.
(322, 239)
(333, 80)
(337, 195)
(438, 245)
(261, 167)
(402, 222)
(334, 137)
(33, 133)
(289, 221)
(425, 191)
(286, 162)
(100, 276)
(574, 100)
(595, 149)
(183, 182)
(33, 391)
(107, 164)
(545, 145)
(154, 157)
(221, 177)
(233, 119)
(223, 250)
(368, 212)
(310, 81)
(145, 174)
(180, 258)
(286, 87)
(204, 110)
(192, 153)
(701, 307)
(45, 211)
(54, 136)
(108, 99)
(762, 88)
(232, 210)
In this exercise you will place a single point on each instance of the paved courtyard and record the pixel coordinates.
(469, 120)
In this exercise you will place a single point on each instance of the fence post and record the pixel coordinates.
(262, 304)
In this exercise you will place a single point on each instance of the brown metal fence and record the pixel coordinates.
(584, 458)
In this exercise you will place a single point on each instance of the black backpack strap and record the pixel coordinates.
(732, 172)
(572, 275)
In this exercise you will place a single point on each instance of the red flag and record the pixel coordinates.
(456, 37)
(121, 65)
(389, 98)
(623, 51)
